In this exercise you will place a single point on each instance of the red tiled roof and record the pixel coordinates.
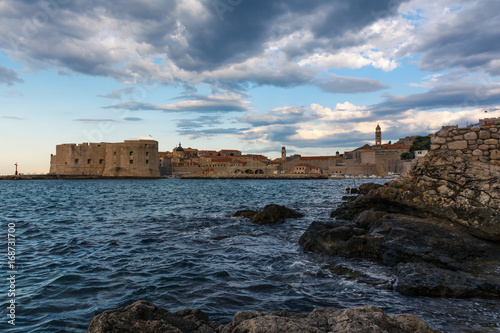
(316, 158)
(221, 159)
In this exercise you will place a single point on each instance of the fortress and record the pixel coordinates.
(132, 158)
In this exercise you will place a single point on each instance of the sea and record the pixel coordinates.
(86, 246)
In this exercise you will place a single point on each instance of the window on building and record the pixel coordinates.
(147, 153)
(76, 161)
(131, 161)
(89, 161)
(147, 161)
(114, 153)
(101, 161)
(131, 153)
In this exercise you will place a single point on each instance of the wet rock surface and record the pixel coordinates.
(426, 258)
(144, 317)
(270, 214)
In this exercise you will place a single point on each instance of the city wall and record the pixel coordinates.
(480, 143)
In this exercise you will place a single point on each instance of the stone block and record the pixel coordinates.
(495, 135)
(449, 139)
(455, 145)
(484, 147)
(494, 130)
(458, 137)
(484, 159)
(435, 147)
(490, 142)
(484, 134)
(495, 154)
(486, 153)
(442, 133)
(473, 146)
(479, 142)
(470, 136)
(476, 129)
(438, 140)
(455, 132)
(477, 152)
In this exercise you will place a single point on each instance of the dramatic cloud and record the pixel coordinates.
(348, 85)
(207, 133)
(213, 103)
(9, 76)
(466, 35)
(120, 93)
(282, 115)
(231, 44)
(459, 95)
(199, 122)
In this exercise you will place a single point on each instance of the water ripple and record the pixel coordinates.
(87, 246)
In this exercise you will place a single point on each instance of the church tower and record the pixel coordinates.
(283, 154)
(378, 136)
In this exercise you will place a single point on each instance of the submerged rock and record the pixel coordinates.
(144, 317)
(270, 214)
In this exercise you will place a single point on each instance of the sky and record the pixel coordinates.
(314, 76)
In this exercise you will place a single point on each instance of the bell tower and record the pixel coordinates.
(283, 154)
(378, 136)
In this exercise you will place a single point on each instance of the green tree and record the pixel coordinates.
(420, 143)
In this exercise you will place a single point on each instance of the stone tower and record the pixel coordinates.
(378, 136)
(283, 154)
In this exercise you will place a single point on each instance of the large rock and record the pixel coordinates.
(144, 317)
(427, 258)
(444, 186)
(270, 214)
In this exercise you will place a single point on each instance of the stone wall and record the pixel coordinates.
(132, 158)
(479, 143)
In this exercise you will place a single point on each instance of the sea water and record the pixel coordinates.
(86, 246)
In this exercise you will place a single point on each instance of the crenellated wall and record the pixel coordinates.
(479, 143)
(132, 158)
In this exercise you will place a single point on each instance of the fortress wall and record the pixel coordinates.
(107, 159)
(82, 159)
(480, 143)
(366, 169)
(132, 159)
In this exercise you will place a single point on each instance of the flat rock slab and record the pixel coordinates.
(427, 257)
(270, 214)
(144, 317)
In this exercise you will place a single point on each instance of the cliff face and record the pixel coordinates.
(451, 187)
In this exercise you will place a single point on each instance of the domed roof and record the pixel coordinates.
(179, 148)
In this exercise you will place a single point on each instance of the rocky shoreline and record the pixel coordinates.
(144, 317)
(436, 230)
